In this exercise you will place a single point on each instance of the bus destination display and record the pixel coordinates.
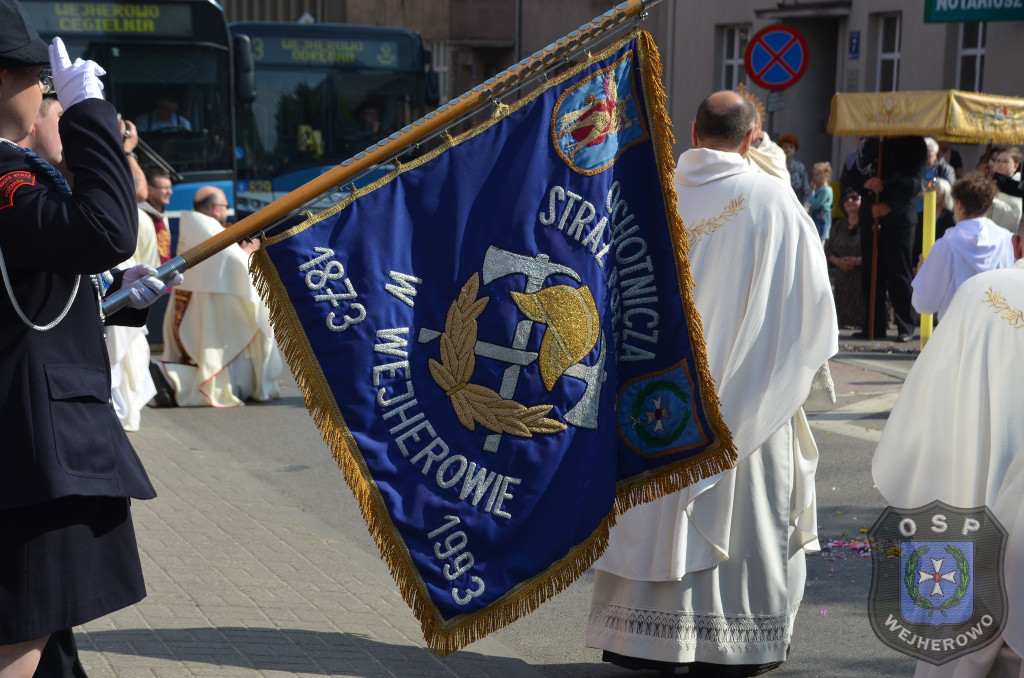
(106, 18)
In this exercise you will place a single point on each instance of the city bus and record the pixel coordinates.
(160, 56)
(324, 92)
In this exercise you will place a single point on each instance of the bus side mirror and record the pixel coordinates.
(245, 71)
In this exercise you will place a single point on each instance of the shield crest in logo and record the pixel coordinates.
(655, 413)
(937, 589)
(597, 119)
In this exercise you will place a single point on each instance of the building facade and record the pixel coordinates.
(853, 46)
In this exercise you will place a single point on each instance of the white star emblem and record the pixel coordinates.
(936, 577)
(658, 415)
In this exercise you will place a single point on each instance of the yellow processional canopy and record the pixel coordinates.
(948, 115)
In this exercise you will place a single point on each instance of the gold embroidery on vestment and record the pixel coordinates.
(998, 303)
(705, 227)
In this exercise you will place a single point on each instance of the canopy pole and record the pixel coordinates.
(409, 135)
(927, 240)
(876, 228)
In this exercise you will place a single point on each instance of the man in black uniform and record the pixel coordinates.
(67, 551)
(904, 160)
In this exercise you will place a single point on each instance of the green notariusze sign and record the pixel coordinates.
(973, 10)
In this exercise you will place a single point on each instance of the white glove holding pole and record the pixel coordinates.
(77, 81)
(146, 288)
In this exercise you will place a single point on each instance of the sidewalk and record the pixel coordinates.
(242, 583)
(242, 586)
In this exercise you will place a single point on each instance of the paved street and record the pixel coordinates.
(256, 566)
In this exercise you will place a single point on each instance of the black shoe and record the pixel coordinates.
(861, 334)
(164, 391)
(691, 669)
(904, 338)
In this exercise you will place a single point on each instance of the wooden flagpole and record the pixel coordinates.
(875, 230)
(409, 135)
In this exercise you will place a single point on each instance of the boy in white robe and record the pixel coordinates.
(974, 245)
(713, 575)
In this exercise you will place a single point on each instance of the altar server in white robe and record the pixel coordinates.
(219, 347)
(974, 245)
(131, 386)
(956, 434)
(712, 575)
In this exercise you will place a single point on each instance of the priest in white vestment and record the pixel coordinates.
(219, 347)
(713, 575)
(974, 245)
(956, 434)
(147, 248)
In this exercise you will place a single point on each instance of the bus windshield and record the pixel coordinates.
(310, 117)
(178, 98)
(324, 92)
(169, 66)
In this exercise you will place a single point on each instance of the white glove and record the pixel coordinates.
(77, 81)
(146, 288)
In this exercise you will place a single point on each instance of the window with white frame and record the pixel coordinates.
(888, 71)
(970, 62)
(439, 59)
(734, 49)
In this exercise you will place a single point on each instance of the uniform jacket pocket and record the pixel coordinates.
(84, 425)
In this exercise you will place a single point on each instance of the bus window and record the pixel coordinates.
(325, 92)
(177, 100)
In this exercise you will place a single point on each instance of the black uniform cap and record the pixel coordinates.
(20, 44)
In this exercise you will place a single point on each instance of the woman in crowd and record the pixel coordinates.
(842, 250)
(943, 207)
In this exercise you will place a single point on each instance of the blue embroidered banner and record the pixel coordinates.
(498, 344)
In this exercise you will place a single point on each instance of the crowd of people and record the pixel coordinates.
(972, 233)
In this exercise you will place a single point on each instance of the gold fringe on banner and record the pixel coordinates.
(446, 636)
(721, 455)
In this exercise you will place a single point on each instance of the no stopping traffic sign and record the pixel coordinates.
(776, 57)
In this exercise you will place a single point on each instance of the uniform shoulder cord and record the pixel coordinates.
(62, 185)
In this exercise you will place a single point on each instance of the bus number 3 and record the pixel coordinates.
(452, 545)
(316, 280)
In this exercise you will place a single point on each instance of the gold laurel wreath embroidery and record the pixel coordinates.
(705, 227)
(998, 303)
(473, 403)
